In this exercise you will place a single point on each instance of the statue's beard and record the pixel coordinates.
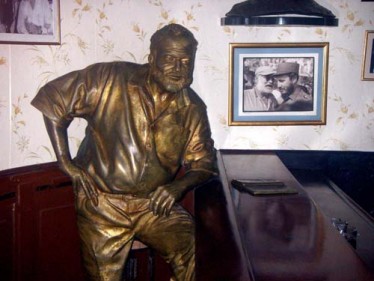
(171, 81)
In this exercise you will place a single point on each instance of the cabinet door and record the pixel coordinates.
(58, 252)
(50, 248)
(7, 235)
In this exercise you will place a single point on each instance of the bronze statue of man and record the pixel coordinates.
(144, 124)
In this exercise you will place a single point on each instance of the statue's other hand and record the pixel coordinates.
(163, 198)
(82, 180)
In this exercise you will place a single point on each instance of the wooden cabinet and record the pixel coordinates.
(38, 234)
(38, 230)
(7, 234)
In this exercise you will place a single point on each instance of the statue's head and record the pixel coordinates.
(172, 56)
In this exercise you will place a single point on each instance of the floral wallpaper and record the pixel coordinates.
(107, 30)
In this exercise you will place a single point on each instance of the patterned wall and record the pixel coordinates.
(106, 30)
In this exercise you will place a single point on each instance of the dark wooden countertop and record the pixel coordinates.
(273, 237)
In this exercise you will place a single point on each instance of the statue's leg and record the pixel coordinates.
(106, 236)
(173, 237)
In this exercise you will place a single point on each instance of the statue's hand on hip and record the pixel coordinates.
(82, 180)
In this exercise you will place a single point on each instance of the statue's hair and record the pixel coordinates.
(172, 31)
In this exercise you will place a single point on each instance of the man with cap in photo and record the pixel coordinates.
(295, 97)
(260, 97)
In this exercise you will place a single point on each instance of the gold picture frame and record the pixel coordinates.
(27, 23)
(368, 57)
(246, 58)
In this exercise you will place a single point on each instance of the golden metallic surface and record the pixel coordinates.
(144, 123)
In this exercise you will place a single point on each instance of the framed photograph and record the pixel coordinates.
(30, 22)
(368, 58)
(278, 83)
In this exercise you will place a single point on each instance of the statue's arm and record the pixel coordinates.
(163, 199)
(75, 94)
(59, 139)
(200, 160)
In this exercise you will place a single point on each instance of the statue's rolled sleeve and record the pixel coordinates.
(50, 103)
(73, 95)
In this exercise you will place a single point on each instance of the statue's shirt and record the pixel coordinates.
(124, 149)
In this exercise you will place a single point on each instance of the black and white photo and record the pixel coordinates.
(30, 21)
(278, 83)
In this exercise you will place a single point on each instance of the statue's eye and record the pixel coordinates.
(170, 59)
(185, 61)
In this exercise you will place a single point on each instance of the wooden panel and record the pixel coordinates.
(219, 249)
(47, 244)
(57, 246)
(57, 253)
(7, 236)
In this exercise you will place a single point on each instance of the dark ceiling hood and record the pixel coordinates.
(279, 12)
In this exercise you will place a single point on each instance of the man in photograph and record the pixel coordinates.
(34, 17)
(294, 97)
(260, 97)
(248, 78)
(6, 16)
(145, 124)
